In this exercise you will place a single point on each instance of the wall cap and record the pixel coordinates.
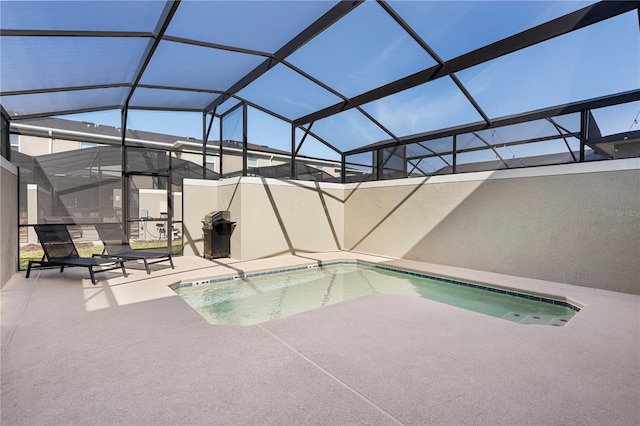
(555, 170)
(8, 166)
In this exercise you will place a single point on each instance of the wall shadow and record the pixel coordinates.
(322, 196)
(543, 227)
(388, 214)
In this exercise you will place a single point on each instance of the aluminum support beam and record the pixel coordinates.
(619, 98)
(72, 33)
(322, 23)
(564, 138)
(584, 132)
(484, 147)
(407, 28)
(294, 151)
(244, 139)
(454, 150)
(573, 21)
(165, 18)
(206, 131)
(124, 197)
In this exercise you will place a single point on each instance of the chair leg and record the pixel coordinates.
(92, 274)
(29, 268)
(39, 262)
(146, 266)
(171, 262)
(124, 271)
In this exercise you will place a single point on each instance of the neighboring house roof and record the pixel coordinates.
(55, 170)
(515, 163)
(303, 172)
(619, 145)
(99, 133)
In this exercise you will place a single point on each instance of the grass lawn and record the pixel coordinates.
(34, 251)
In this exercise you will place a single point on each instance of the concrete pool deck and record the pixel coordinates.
(130, 351)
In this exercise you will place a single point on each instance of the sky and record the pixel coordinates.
(367, 49)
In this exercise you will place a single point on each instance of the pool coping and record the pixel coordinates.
(552, 299)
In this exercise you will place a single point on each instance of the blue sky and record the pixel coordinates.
(367, 49)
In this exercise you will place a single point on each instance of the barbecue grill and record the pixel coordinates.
(217, 229)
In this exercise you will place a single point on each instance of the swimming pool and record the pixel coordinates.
(268, 295)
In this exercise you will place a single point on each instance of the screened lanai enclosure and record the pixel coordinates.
(108, 105)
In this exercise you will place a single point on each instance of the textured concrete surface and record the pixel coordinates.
(543, 222)
(129, 351)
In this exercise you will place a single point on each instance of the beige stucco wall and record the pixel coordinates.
(8, 220)
(577, 224)
(273, 216)
(230, 199)
(199, 197)
(290, 217)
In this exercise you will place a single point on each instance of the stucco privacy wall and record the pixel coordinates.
(577, 224)
(273, 216)
(290, 217)
(199, 197)
(8, 220)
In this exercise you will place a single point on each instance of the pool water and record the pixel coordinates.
(256, 299)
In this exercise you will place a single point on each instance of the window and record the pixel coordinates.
(14, 140)
(210, 162)
(84, 145)
(252, 162)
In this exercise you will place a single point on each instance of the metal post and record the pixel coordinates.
(18, 218)
(125, 179)
(170, 204)
(454, 162)
(5, 148)
(343, 169)
(204, 145)
(293, 152)
(205, 138)
(584, 132)
(221, 153)
(404, 159)
(244, 138)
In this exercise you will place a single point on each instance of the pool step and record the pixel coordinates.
(536, 319)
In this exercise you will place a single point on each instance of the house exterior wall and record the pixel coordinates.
(36, 145)
(231, 163)
(576, 224)
(63, 145)
(8, 220)
(33, 145)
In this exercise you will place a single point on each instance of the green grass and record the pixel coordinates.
(36, 254)
(176, 248)
(34, 251)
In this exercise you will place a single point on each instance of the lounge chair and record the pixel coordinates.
(116, 245)
(59, 250)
